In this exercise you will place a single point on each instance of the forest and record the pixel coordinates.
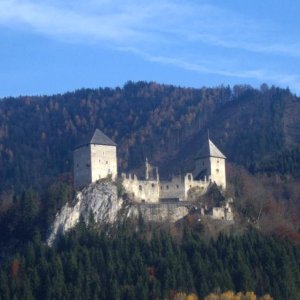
(257, 129)
(121, 263)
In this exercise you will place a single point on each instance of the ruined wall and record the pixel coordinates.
(172, 189)
(141, 190)
(222, 213)
(218, 213)
(163, 212)
(190, 183)
(179, 188)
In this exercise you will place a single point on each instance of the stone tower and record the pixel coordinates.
(210, 163)
(95, 159)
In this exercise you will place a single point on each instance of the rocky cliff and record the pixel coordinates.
(100, 200)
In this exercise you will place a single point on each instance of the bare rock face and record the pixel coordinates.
(101, 201)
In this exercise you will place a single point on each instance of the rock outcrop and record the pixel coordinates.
(100, 200)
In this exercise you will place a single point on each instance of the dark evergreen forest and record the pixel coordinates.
(122, 264)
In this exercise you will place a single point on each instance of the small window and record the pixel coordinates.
(189, 177)
(167, 187)
(177, 186)
(161, 187)
(140, 188)
(190, 186)
(107, 162)
(153, 185)
(217, 170)
(217, 161)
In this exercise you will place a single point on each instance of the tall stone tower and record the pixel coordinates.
(95, 159)
(210, 163)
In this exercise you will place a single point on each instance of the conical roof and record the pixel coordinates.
(210, 150)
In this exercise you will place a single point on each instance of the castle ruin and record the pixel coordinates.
(97, 159)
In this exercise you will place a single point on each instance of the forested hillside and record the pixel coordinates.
(256, 129)
(165, 123)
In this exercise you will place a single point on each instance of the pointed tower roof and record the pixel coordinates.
(98, 138)
(210, 150)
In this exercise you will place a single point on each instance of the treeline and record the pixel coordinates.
(128, 264)
(165, 123)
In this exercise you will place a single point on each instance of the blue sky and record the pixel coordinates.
(52, 46)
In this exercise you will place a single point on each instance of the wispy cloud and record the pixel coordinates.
(165, 32)
(210, 67)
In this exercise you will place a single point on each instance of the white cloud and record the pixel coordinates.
(211, 67)
(159, 31)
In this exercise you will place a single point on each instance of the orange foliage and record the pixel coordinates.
(151, 272)
(230, 295)
(174, 295)
(192, 296)
(15, 268)
(286, 231)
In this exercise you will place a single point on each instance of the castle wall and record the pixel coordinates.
(82, 166)
(218, 213)
(172, 189)
(103, 161)
(179, 188)
(190, 183)
(142, 190)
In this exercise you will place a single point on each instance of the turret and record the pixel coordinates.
(95, 159)
(210, 163)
